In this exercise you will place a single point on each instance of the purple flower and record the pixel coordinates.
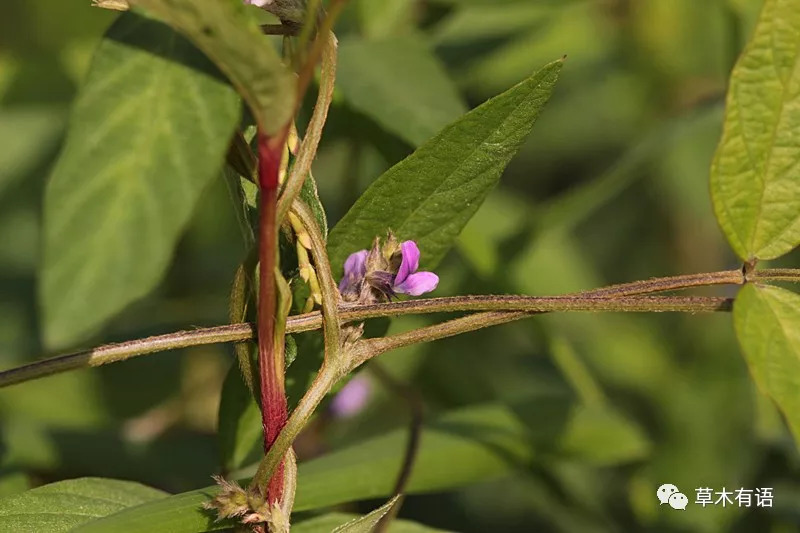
(408, 280)
(355, 268)
(352, 398)
(384, 272)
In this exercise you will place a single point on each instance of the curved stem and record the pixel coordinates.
(308, 148)
(332, 364)
(330, 293)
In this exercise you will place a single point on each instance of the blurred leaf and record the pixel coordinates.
(460, 448)
(767, 321)
(147, 133)
(226, 32)
(239, 423)
(365, 524)
(329, 522)
(26, 134)
(432, 194)
(478, 22)
(400, 84)
(382, 19)
(62, 506)
(754, 182)
(576, 30)
(600, 435)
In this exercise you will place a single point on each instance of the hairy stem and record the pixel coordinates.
(331, 321)
(321, 385)
(331, 368)
(308, 148)
(274, 408)
(121, 351)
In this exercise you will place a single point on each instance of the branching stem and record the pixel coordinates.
(597, 300)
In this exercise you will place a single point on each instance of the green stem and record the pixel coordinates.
(308, 148)
(321, 385)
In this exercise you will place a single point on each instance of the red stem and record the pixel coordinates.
(274, 409)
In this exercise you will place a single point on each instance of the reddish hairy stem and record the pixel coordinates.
(274, 409)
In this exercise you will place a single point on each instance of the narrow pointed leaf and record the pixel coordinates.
(767, 321)
(430, 195)
(233, 40)
(62, 506)
(327, 523)
(755, 176)
(366, 523)
(148, 132)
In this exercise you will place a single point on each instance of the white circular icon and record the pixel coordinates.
(678, 501)
(665, 491)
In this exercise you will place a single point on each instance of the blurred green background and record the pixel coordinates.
(610, 187)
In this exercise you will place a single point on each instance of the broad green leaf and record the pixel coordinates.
(225, 31)
(62, 506)
(147, 134)
(463, 447)
(365, 524)
(329, 522)
(767, 321)
(430, 195)
(755, 176)
(400, 84)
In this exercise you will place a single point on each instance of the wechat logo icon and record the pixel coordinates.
(670, 495)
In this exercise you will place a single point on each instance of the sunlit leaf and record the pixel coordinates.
(463, 447)
(754, 176)
(329, 522)
(767, 321)
(147, 134)
(233, 40)
(430, 195)
(365, 524)
(62, 506)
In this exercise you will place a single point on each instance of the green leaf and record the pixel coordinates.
(463, 447)
(62, 506)
(601, 435)
(239, 424)
(754, 176)
(329, 522)
(227, 33)
(460, 448)
(430, 195)
(147, 134)
(365, 524)
(767, 321)
(310, 196)
(27, 135)
(400, 84)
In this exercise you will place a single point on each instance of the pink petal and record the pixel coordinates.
(355, 268)
(418, 283)
(410, 262)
